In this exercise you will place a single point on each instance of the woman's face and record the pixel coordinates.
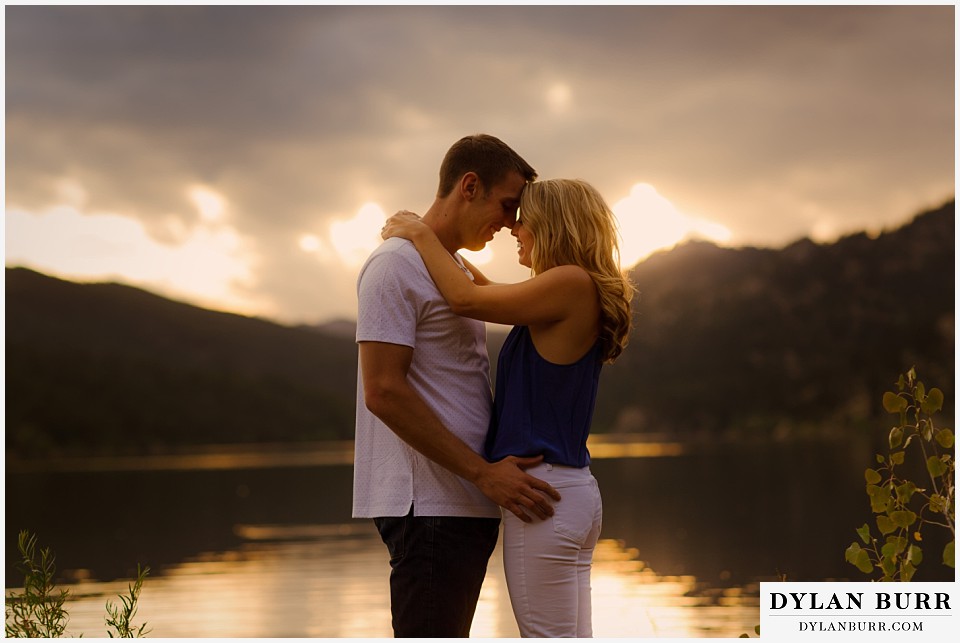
(524, 243)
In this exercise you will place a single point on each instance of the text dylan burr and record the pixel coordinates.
(854, 601)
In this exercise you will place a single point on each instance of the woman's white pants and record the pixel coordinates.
(547, 562)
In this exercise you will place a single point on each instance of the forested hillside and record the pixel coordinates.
(97, 367)
(725, 339)
(755, 338)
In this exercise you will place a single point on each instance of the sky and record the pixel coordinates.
(243, 158)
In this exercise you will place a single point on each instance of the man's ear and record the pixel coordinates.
(470, 187)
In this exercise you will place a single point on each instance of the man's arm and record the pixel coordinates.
(389, 396)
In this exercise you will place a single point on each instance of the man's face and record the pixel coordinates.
(490, 213)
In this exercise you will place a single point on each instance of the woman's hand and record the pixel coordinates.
(403, 224)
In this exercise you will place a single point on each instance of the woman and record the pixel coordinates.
(572, 316)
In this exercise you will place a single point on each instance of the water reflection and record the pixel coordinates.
(263, 545)
(332, 582)
(307, 454)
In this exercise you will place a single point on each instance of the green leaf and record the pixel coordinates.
(864, 533)
(897, 543)
(896, 437)
(893, 548)
(948, 554)
(863, 563)
(897, 458)
(888, 566)
(933, 402)
(858, 557)
(907, 570)
(893, 403)
(885, 525)
(880, 498)
(905, 492)
(871, 476)
(926, 430)
(935, 466)
(915, 554)
(921, 393)
(850, 555)
(938, 504)
(944, 438)
(903, 519)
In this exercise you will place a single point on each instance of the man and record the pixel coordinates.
(423, 406)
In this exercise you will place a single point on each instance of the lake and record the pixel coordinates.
(261, 543)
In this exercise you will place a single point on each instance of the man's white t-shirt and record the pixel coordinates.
(399, 304)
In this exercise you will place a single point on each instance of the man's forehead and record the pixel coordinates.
(511, 187)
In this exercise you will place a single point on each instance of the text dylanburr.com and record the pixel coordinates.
(858, 611)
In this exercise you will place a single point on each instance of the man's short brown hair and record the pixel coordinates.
(489, 157)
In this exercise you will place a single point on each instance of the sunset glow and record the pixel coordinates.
(206, 265)
(310, 243)
(485, 256)
(210, 204)
(650, 222)
(354, 239)
(558, 97)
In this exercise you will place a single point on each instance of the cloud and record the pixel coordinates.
(210, 265)
(767, 120)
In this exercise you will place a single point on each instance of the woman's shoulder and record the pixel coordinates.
(569, 274)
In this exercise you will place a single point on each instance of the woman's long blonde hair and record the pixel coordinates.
(571, 224)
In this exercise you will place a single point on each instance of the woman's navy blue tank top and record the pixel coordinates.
(542, 408)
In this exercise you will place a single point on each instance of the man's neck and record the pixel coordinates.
(441, 221)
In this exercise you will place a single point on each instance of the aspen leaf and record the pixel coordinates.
(885, 524)
(944, 438)
(933, 402)
(893, 403)
(851, 554)
(859, 558)
(903, 519)
(907, 570)
(889, 567)
(895, 546)
(935, 466)
(896, 437)
(915, 555)
(879, 498)
(906, 491)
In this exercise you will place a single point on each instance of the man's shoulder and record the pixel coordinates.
(394, 251)
(397, 262)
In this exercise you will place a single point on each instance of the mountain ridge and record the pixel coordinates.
(725, 339)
